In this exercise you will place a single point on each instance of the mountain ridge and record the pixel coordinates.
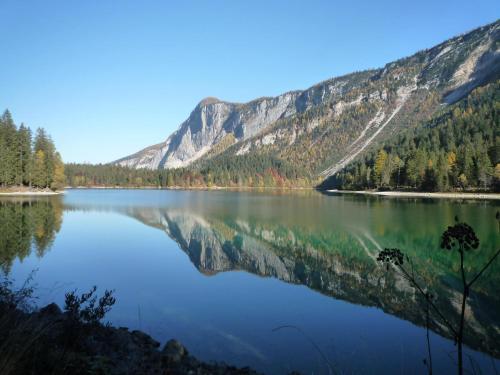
(335, 120)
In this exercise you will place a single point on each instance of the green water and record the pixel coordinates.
(221, 270)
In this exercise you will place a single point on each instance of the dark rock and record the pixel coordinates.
(143, 339)
(174, 351)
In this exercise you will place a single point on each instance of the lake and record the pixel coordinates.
(278, 281)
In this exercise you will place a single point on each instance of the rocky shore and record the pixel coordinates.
(47, 341)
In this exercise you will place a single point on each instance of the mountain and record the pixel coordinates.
(320, 130)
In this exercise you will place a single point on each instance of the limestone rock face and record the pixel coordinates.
(207, 125)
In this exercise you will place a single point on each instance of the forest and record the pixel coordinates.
(459, 149)
(27, 161)
(239, 171)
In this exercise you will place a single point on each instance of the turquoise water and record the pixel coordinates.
(276, 281)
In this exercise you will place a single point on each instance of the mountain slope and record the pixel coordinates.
(458, 148)
(322, 129)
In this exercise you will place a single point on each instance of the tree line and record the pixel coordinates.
(26, 160)
(459, 149)
(239, 171)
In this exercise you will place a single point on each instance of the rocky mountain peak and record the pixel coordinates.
(208, 100)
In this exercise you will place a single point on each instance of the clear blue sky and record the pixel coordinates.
(107, 78)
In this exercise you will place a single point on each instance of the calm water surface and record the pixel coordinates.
(276, 281)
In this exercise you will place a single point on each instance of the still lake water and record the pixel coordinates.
(276, 281)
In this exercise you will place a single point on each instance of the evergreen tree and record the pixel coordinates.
(484, 169)
(24, 155)
(39, 176)
(170, 180)
(44, 144)
(497, 177)
(466, 161)
(442, 168)
(8, 136)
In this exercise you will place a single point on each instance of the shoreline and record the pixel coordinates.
(30, 193)
(418, 194)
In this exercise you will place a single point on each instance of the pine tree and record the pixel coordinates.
(170, 180)
(451, 159)
(442, 179)
(8, 136)
(24, 155)
(412, 170)
(466, 161)
(484, 169)
(44, 143)
(497, 177)
(39, 175)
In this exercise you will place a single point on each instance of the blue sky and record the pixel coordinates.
(107, 78)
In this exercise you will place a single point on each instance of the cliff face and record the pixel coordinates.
(335, 120)
(210, 122)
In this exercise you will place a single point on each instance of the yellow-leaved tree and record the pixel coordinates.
(380, 164)
(59, 179)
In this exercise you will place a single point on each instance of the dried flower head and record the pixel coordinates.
(394, 256)
(460, 236)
